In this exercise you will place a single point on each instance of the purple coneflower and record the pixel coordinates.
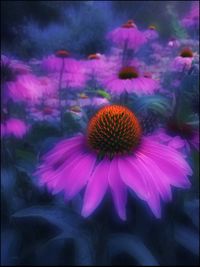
(129, 79)
(127, 36)
(114, 155)
(151, 33)
(183, 61)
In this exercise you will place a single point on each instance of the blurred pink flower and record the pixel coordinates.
(183, 61)
(26, 88)
(74, 75)
(128, 160)
(128, 79)
(127, 35)
(192, 18)
(14, 127)
(45, 113)
(151, 33)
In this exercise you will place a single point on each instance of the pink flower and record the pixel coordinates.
(48, 86)
(74, 75)
(14, 127)
(151, 33)
(179, 136)
(183, 61)
(97, 65)
(192, 18)
(127, 35)
(128, 79)
(11, 70)
(114, 155)
(26, 88)
(45, 114)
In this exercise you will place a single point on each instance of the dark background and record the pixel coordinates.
(42, 26)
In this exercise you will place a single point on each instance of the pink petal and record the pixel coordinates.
(78, 176)
(118, 189)
(96, 188)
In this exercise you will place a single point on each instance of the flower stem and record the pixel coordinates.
(60, 94)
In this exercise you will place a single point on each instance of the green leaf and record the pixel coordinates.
(120, 243)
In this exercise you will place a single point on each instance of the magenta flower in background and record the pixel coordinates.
(11, 70)
(26, 88)
(49, 86)
(127, 36)
(45, 113)
(14, 127)
(192, 18)
(179, 135)
(128, 79)
(114, 155)
(74, 75)
(151, 33)
(183, 61)
(97, 65)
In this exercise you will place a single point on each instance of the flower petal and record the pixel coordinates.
(96, 187)
(118, 189)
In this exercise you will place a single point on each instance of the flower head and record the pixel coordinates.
(114, 155)
(14, 127)
(129, 79)
(183, 61)
(127, 35)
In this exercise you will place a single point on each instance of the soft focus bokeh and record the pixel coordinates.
(62, 61)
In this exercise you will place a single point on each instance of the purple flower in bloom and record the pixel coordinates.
(127, 36)
(114, 155)
(151, 33)
(45, 113)
(128, 79)
(14, 127)
(11, 70)
(26, 88)
(183, 61)
(74, 75)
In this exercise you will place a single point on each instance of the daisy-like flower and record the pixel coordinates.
(151, 33)
(127, 36)
(114, 154)
(129, 79)
(14, 127)
(183, 61)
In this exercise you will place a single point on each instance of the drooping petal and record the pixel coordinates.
(118, 189)
(152, 194)
(96, 187)
(170, 162)
(78, 176)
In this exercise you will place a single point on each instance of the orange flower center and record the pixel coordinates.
(128, 73)
(186, 52)
(62, 53)
(113, 130)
